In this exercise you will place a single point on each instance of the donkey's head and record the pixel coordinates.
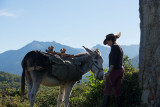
(96, 62)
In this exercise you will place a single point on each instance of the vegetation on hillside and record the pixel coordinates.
(9, 81)
(84, 94)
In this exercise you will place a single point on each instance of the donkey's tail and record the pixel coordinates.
(23, 84)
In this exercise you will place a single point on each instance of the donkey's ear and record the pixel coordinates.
(98, 52)
(88, 50)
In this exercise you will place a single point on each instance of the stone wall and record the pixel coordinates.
(149, 58)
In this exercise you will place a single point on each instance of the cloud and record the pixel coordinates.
(8, 14)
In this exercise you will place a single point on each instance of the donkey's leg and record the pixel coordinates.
(29, 90)
(29, 83)
(61, 95)
(34, 90)
(68, 88)
(36, 78)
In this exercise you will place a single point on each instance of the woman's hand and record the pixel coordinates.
(106, 75)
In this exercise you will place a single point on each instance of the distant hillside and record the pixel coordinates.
(135, 62)
(10, 61)
(9, 80)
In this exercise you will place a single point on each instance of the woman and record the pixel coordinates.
(115, 72)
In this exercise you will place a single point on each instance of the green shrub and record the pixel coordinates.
(130, 89)
(84, 94)
(47, 96)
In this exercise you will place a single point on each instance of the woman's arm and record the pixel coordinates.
(111, 68)
(113, 58)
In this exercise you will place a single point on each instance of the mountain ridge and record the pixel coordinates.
(10, 61)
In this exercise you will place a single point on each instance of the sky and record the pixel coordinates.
(75, 23)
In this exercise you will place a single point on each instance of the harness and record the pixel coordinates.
(99, 69)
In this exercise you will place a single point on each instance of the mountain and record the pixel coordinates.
(130, 50)
(10, 61)
(135, 61)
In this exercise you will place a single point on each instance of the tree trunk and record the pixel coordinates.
(149, 58)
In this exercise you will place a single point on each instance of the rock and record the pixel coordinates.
(145, 96)
(149, 58)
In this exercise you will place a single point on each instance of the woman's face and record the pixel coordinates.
(109, 43)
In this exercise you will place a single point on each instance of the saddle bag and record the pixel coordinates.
(65, 70)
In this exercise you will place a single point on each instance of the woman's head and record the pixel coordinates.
(111, 39)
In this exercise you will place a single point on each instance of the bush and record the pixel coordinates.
(130, 89)
(85, 94)
(47, 96)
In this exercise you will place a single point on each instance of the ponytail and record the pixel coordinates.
(118, 35)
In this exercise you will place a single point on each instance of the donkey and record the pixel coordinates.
(37, 70)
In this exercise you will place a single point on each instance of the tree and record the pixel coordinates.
(149, 59)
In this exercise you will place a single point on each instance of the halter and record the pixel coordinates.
(99, 69)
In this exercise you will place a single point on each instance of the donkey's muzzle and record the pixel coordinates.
(100, 78)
